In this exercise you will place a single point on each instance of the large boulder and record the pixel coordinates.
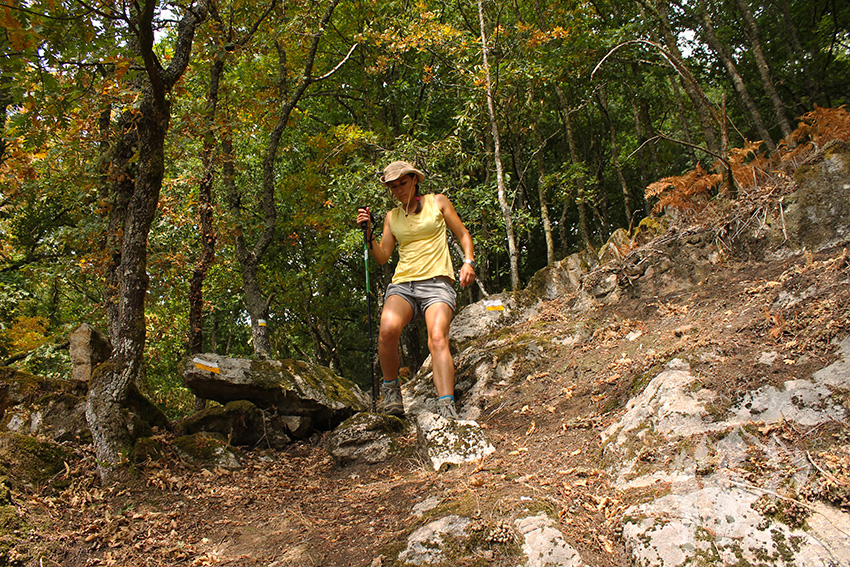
(366, 438)
(49, 407)
(87, 348)
(241, 422)
(290, 387)
(817, 215)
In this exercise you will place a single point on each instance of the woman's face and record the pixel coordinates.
(403, 188)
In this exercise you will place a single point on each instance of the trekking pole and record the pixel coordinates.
(364, 226)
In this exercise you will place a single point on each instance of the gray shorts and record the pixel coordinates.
(424, 293)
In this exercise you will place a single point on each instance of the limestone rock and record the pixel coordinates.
(544, 544)
(818, 214)
(421, 508)
(712, 512)
(806, 402)
(425, 545)
(721, 526)
(365, 438)
(444, 442)
(241, 422)
(291, 387)
(476, 320)
(207, 449)
(666, 406)
(87, 348)
(618, 246)
(563, 277)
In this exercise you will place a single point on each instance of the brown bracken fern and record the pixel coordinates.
(753, 169)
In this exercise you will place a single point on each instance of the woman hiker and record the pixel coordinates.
(422, 285)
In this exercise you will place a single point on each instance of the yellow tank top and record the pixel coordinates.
(423, 251)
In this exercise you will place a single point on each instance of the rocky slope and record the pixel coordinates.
(683, 400)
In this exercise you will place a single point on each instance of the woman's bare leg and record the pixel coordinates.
(438, 317)
(396, 313)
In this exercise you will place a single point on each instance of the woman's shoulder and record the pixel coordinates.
(438, 199)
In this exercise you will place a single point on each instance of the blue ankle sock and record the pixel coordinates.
(441, 398)
(390, 383)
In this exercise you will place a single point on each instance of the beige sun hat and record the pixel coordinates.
(399, 168)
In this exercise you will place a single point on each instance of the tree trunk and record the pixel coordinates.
(111, 385)
(5, 102)
(513, 253)
(580, 197)
(735, 76)
(249, 259)
(541, 192)
(205, 216)
(764, 68)
(603, 107)
(119, 187)
(701, 105)
(683, 121)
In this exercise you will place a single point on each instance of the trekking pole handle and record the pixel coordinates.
(364, 225)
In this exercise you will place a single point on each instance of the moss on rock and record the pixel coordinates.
(207, 449)
(25, 459)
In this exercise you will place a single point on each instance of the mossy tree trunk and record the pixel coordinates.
(130, 223)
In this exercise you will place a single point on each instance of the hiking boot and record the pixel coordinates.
(446, 409)
(391, 403)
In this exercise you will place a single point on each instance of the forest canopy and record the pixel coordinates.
(185, 177)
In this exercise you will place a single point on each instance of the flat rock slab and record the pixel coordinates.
(444, 442)
(292, 387)
(425, 545)
(720, 526)
(668, 406)
(544, 544)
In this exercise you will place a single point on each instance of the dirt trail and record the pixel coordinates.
(296, 508)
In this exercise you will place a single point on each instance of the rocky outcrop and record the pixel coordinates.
(87, 348)
(562, 277)
(366, 438)
(721, 506)
(38, 406)
(484, 317)
(290, 387)
(267, 402)
(817, 214)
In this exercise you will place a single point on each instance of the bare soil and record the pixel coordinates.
(296, 508)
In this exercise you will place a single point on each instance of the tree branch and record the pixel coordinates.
(338, 65)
